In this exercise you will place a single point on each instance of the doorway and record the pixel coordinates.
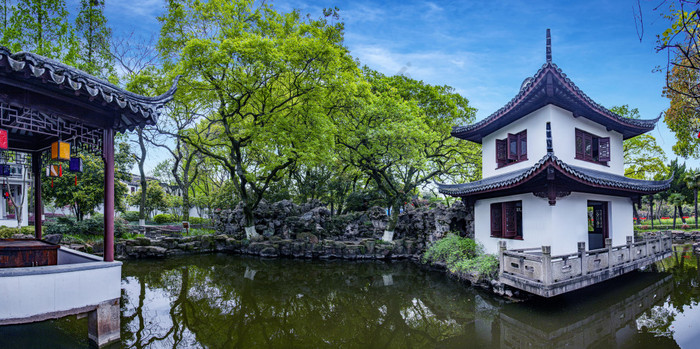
(597, 224)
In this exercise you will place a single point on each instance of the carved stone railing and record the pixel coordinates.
(535, 270)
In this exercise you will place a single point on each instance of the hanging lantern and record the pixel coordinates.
(4, 170)
(54, 171)
(60, 151)
(76, 165)
(3, 139)
(6, 194)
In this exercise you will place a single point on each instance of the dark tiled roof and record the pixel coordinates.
(141, 110)
(588, 176)
(551, 86)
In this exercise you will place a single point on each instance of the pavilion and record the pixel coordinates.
(43, 101)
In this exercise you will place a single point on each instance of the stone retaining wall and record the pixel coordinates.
(360, 249)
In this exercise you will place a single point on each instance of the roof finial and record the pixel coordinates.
(549, 47)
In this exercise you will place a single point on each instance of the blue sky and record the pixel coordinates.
(485, 49)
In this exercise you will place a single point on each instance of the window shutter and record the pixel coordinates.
(523, 146)
(510, 218)
(604, 149)
(496, 220)
(512, 147)
(579, 144)
(501, 150)
(588, 147)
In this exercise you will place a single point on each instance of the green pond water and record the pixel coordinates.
(224, 301)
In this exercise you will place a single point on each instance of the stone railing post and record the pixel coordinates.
(501, 258)
(608, 245)
(547, 265)
(630, 248)
(646, 246)
(583, 257)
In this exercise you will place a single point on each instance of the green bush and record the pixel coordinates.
(462, 255)
(451, 249)
(199, 220)
(163, 218)
(131, 216)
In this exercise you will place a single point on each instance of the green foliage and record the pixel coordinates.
(156, 199)
(461, 255)
(86, 227)
(450, 249)
(164, 218)
(89, 193)
(8, 232)
(130, 216)
(267, 83)
(38, 26)
(643, 157)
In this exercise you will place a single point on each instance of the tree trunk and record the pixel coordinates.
(651, 210)
(186, 206)
(675, 209)
(680, 213)
(142, 172)
(696, 208)
(250, 232)
(635, 212)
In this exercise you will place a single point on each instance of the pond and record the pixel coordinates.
(225, 301)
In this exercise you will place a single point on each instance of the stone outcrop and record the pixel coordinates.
(286, 220)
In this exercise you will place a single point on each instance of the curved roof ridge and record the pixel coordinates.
(534, 83)
(60, 75)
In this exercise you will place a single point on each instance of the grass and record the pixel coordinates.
(462, 255)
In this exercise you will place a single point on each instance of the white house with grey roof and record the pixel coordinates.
(553, 172)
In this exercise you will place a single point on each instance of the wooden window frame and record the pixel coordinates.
(511, 149)
(507, 220)
(591, 148)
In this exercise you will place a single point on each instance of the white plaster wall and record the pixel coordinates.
(535, 124)
(34, 293)
(561, 226)
(564, 127)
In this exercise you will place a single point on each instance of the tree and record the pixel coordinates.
(692, 180)
(677, 200)
(91, 51)
(398, 135)
(269, 82)
(39, 26)
(156, 198)
(643, 157)
(88, 194)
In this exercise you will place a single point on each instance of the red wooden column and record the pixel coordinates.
(36, 173)
(108, 157)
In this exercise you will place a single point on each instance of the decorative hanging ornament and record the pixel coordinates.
(76, 180)
(5, 170)
(54, 171)
(60, 151)
(76, 165)
(3, 139)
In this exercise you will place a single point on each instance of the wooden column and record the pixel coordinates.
(108, 157)
(36, 174)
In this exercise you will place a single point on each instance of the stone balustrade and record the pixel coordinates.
(535, 270)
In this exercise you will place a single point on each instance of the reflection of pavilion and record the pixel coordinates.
(576, 323)
(42, 102)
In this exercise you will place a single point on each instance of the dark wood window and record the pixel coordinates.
(507, 220)
(592, 148)
(511, 149)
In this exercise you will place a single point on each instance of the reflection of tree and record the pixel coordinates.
(317, 304)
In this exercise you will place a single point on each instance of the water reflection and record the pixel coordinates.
(220, 301)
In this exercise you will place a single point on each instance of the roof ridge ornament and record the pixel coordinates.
(549, 47)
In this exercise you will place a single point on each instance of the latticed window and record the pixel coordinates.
(507, 220)
(511, 149)
(592, 148)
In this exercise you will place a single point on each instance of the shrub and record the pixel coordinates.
(462, 255)
(451, 249)
(131, 216)
(199, 220)
(163, 218)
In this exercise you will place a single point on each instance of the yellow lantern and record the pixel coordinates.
(60, 151)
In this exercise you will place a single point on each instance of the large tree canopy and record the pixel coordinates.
(269, 81)
(643, 157)
(399, 136)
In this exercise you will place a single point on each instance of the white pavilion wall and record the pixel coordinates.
(564, 126)
(561, 226)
